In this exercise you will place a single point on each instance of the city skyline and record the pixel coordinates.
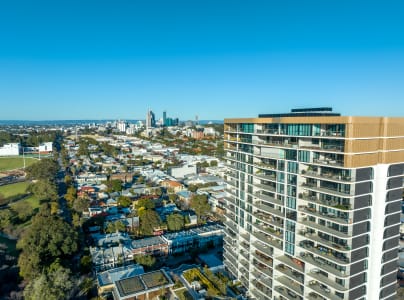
(98, 60)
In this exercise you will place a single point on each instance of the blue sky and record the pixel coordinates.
(215, 59)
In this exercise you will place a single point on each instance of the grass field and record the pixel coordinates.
(32, 200)
(19, 188)
(11, 163)
(10, 190)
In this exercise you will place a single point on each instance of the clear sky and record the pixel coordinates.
(215, 59)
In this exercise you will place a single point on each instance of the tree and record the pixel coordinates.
(145, 203)
(213, 163)
(45, 169)
(44, 189)
(149, 220)
(81, 204)
(192, 188)
(199, 203)
(71, 194)
(172, 197)
(56, 285)
(116, 185)
(6, 217)
(68, 180)
(115, 226)
(145, 260)
(49, 237)
(124, 201)
(23, 209)
(175, 222)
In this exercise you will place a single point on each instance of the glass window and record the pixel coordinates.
(292, 167)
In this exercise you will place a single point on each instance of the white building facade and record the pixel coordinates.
(313, 205)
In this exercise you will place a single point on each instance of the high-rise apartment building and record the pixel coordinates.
(313, 205)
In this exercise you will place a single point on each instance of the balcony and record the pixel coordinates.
(266, 166)
(268, 240)
(265, 187)
(231, 225)
(263, 257)
(245, 255)
(315, 296)
(264, 269)
(265, 293)
(270, 231)
(317, 238)
(331, 176)
(322, 264)
(268, 219)
(322, 290)
(265, 177)
(263, 248)
(326, 253)
(291, 262)
(268, 209)
(286, 293)
(267, 198)
(290, 284)
(327, 281)
(291, 274)
(277, 143)
(330, 216)
(329, 162)
(231, 259)
(264, 280)
(326, 229)
(325, 190)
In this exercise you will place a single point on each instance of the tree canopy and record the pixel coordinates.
(45, 169)
(149, 220)
(175, 222)
(199, 203)
(48, 238)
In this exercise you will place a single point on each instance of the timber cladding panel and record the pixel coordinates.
(361, 160)
(367, 145)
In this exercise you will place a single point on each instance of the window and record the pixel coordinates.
(304, 156)
(292, 167)
(290, 248)
(291, 202)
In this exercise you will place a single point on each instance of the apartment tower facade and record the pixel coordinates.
(313, 204)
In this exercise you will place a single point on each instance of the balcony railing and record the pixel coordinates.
(326, 253)
(322, 264)
(268, 209)
(317, 238)
(268, 240)
(327, 281)
(332, 176)
(327, 229)
(291, 274)
(325, 215)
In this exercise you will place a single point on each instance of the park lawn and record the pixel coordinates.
(14, 189)
(32, 200)
(11, 163)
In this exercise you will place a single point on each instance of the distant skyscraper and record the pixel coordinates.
(150, 119)
(164, 118)
(196, 120)
(313, 206)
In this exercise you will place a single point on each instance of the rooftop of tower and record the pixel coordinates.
(304, 112)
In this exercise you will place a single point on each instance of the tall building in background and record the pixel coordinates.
(150, 119)
(313, 206)
(164, 118)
